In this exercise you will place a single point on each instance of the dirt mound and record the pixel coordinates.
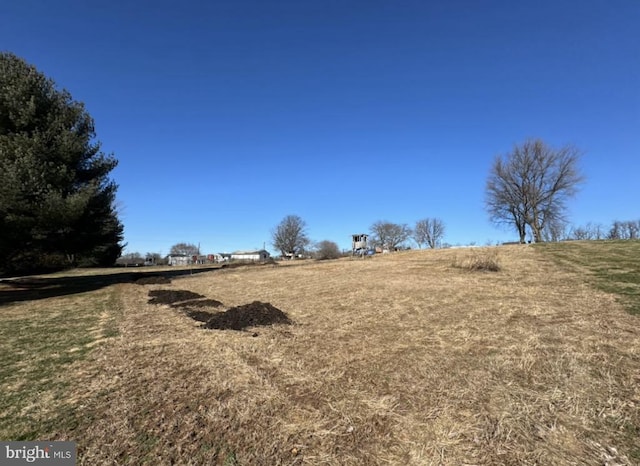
(172, 296)
(199, 303)
(200, 316)
(157, 280)
(236, 318)
(247, 315)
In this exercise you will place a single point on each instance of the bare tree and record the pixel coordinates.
(187, 249)
(390, 235)
(327, 250)
(617, 230)
(633, 228)
(597, 230)
(629, 229)
(581, 233)
(290, 236)
(506, 201)
(529, 187)
(429, 231)
(154, 258)
(590, 231)
(130, 259)
(556, 230)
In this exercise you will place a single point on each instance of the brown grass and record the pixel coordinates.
(485, 259)
(401, 359)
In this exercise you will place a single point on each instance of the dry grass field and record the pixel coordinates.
(408, 358)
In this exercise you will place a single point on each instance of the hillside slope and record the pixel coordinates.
(407, 358)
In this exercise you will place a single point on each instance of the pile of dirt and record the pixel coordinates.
(236, 318)
(155, 280)
(194, 308)
(199, 303)
(247, 315)
(200, 316)
(172, 296)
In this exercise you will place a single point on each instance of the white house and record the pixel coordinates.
(260, 255)
(179, 259)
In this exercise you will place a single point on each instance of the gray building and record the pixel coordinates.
(255, 256)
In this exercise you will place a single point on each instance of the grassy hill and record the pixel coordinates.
(612, 266)
(408, 358)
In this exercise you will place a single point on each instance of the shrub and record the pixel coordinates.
(327, 250)
(484, 260)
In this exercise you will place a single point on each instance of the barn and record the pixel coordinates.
(254, 256)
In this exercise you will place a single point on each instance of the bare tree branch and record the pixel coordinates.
(389, 235)
(290, 236)
(187, 249)
(326, 250)
(529, 187)
(429, 231)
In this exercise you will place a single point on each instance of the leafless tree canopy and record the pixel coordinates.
(619, 230)
(624, 230)
(154, 258)
(429, 231)
(130, 258)
(187, 249)
(327, 250)
(529, 187)
(290, 236)
(390, 235)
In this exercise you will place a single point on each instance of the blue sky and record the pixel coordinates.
(227, 116)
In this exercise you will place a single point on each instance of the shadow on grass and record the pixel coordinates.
(612, 266)
(43, 287)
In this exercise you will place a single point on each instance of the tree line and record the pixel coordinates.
(155, 258)
(618, 230)
(428, 232)
(58, 203)
(291, 239)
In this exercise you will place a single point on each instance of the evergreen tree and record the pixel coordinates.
(57, 202)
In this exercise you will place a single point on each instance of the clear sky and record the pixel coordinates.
(227, 116)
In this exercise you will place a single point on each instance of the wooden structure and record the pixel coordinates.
(359, 244)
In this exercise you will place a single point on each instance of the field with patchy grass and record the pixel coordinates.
(422, 357)
(612, 266)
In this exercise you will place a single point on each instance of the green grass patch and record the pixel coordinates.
(612, 266)
(39, 342)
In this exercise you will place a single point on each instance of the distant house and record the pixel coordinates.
(204, 259)
(178, 259)
(259, 255)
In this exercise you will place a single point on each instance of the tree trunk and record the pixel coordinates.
(523, 236)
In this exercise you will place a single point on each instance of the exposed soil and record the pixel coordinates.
(199, 303)
(172, 296)
(200, 316)
(253, 314)
(158, 280)
(248, 315)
